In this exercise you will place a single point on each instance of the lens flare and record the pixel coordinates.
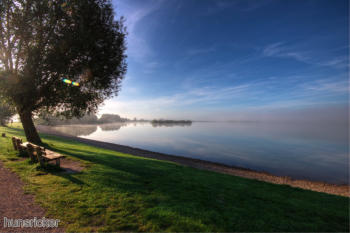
(67, 81)
(71, 82)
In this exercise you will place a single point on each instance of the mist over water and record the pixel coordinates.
(302, 150)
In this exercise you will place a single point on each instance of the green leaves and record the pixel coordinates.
(45, 41)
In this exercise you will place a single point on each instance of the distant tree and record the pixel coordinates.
(87, 119)
(171, 123)
(6, 112)
(110, 118)
(49, 119)
(43, 42)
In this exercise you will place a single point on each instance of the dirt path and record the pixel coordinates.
(15, 204)
(342, 190)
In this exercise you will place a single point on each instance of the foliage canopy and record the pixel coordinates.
(43, 42)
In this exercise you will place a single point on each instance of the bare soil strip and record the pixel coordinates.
(342, 190)
(71, 166)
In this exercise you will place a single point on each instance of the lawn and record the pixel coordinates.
(121, 192)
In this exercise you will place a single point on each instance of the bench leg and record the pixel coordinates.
(42, 164)
(21, 151)
(42, 161)
(58, 163)
(33, 158)
(14, 144)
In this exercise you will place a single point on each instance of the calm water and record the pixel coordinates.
(302, 151)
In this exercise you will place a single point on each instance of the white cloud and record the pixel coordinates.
(279, 49)
(282, 50)
(193, 52)
(150, 67)
(161, 106)
(138, 47)
(239, 5)
(328, 85)
(204, 102)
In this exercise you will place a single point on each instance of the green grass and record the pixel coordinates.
(121, 192)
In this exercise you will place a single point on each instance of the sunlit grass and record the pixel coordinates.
(121, 192)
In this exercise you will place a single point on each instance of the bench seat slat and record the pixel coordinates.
(51, 155)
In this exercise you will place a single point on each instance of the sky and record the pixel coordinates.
(234, 59)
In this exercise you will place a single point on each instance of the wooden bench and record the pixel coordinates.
(22, 147)
(14, 142)
(37, 153)
(18, 144)
(32, 152)
(44, 156)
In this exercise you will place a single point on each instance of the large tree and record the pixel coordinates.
(43, 42)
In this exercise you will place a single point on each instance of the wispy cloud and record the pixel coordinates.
(150, 67)
(253, 5)
(340, 62)
(328, 85)
(138, 47)
(249, 95)
(239, 5)
(283, 50)
(199, 51)
(185, 99)
(279, 49)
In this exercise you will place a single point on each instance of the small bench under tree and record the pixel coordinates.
(37, 153)
(19, 145)
(44, 156)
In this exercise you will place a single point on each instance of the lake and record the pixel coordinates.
(316, 152)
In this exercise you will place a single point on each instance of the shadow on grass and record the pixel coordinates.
(208, 196)
(113, 169)
(13, 129)
(58, 171)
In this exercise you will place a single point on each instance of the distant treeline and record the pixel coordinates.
(104, 119)
(87, 119)
(170, 123)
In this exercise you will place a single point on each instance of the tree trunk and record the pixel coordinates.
(29, 128)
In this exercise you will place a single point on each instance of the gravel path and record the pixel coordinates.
(342, 190)
(15, 204)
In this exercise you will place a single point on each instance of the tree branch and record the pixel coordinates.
(8, 37)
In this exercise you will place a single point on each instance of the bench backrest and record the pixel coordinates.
(31, 151)
(40, 152)
(14, 142)
(18, 142)
(18, 145)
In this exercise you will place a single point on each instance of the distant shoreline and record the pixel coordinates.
(342, 190)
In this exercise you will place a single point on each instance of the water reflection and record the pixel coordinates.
(303, 151)
(112, 126)
(76, 130)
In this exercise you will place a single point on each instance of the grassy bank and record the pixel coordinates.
(121, 192)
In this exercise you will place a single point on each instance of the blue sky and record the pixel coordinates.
(233, 59)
